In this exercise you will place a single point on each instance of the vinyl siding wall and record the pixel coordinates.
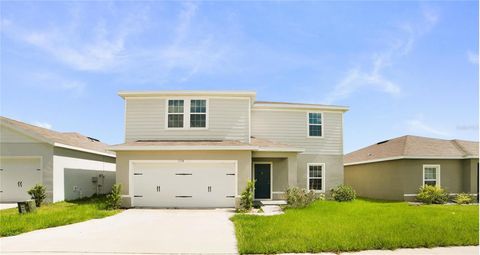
(291, 127)
(228, 119)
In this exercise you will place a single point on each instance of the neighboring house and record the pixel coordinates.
(395, 169)
(200, 148)
(70, 165)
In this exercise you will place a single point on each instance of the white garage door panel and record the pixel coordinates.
(17, 176)
(184, 184)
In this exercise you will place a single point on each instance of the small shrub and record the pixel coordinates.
(38, 194)
(246, 199)
(463, 198)
(432, 195)
(300, 198)
(343, 193)
(114, 199)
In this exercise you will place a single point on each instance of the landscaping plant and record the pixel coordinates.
(300, 198)
(38, 194)
(463, 198)
(114, 198)
(429, 194)
(343, 193)
(246, 199)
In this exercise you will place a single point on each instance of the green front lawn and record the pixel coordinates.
(52, 215)
(329, 226)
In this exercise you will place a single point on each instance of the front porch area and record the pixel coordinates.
(273, 173)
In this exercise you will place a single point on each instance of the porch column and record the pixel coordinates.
(292, 170)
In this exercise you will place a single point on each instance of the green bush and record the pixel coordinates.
(463, 198)
(246, 199)
(299, 198)
(114, 199)
(429, 194)
(343, 193)
(38, 194)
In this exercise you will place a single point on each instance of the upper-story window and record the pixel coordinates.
(187, 113)
(315, 126)
(175, 113)
(198, 113)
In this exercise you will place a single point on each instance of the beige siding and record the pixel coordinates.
(290, 127)
(333, 169)
(381, 180)
(390, 180)
(228, 120)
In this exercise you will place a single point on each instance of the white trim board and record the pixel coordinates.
(406, 157)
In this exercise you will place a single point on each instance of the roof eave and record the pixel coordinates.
(66, 146)
(408, 157)
(177, 148)
(260, 106)
(133, 94)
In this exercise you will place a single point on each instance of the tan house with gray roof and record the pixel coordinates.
(395, 169)
(200, 148)
(68, 164)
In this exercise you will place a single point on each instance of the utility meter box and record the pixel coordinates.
(94, 179)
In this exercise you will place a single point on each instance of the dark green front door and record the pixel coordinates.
(262, 184)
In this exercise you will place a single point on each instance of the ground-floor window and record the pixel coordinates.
(431, 175)
(316, 176)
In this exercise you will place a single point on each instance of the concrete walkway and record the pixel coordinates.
(134, 231)
(460, 250)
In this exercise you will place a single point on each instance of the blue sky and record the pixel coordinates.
(402, 67)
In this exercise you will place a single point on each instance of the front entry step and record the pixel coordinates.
(273, 202)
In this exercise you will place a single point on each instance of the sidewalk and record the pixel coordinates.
(460, 250)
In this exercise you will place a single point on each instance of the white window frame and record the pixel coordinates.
(186, 113)
(321, 125)
(323, 176)
(437, 174)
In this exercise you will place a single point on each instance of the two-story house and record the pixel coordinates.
(200, 148)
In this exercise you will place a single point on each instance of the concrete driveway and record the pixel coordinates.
(7, 205)
(136, 231)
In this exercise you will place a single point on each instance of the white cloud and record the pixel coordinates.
(54, 81)
(418, 126)
(190, 49)
(472, 57)
(43, 124)
(374, 76)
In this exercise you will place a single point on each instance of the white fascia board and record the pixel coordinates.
(260, 106)
(405, 157)
(61, 145)
(179, 148)
(280, 149)
(213, 148)
(125, 94)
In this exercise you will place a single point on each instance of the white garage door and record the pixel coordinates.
(184, 184)
(17, 176)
